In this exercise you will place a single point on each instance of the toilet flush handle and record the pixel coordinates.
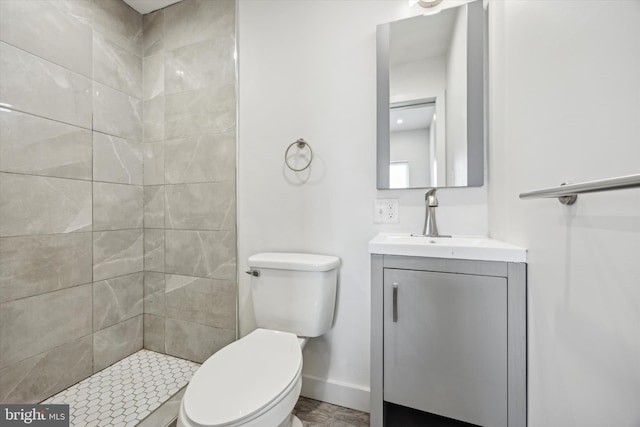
(254, 273)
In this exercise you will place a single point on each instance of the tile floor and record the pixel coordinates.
(127, 391)
(314, 413)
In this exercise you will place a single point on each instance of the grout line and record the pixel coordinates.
(130, 140)
(233, 329)
(75, 179)
(92, 282)
(64, 67)
(18, 110)
(119, 91)
(24, 236)
(73, 125)
(52, 348)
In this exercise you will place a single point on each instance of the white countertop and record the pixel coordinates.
(457, 247)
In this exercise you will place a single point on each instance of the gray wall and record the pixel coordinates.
(75, 231)
(189, 191)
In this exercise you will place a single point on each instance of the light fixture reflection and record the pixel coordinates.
(429, 3)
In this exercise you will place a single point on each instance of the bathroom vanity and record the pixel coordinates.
(448, 332)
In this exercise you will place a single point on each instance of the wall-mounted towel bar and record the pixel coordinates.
(568, 193)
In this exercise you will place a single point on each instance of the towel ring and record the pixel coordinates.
(301, 143)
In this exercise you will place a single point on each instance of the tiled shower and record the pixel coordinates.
(117, 187)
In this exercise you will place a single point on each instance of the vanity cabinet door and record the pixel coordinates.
(445, 344)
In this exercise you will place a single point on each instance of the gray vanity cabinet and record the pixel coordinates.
(449, 338)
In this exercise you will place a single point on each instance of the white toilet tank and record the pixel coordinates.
(294, 292)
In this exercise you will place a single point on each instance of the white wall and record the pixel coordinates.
(307, 69)
(565, 106)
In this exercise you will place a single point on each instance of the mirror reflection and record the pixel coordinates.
(412, 143)
(428, 88)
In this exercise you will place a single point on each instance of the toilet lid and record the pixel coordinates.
(243, 378)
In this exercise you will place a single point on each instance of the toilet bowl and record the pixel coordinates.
(256, 381)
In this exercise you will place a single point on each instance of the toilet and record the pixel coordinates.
(256, 381)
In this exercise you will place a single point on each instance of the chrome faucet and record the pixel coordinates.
(431, 201)
(430, 227)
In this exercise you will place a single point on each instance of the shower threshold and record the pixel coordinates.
(126, 392)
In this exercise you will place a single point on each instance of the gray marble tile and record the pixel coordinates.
(208, 111)
(36, 378)
(116, 253)
(153, 76)
(116, 342)
(58, 30)
(35, 265)
(201, 253)
(32, 325)
(193, 341)
(116, 160)
(41, 205)
(116, 67)
(202, 158)
(153, 33)
(154, 337)
(153, 250)
(209, 63)
(117, 206)
(206, 206)
(206, 301)
(116, 113)
(154, 163)
(39, 87)
(119, 22)
(117, 299)
(37, 146)
(153, 121)
(191, 21)
(154, 206)
(154, 293)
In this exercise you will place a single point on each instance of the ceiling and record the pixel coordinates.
(147, 6)
(411, 117)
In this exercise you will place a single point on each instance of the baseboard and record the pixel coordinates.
(338, 393)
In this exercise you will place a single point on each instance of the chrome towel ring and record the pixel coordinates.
(301, 143)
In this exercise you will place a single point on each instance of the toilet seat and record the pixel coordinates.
(244, 380)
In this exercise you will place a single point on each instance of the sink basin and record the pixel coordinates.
(457, 247)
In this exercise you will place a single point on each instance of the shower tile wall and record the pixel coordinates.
(71, 192)
(189, 123)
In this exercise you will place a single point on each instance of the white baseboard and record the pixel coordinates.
(338, 393)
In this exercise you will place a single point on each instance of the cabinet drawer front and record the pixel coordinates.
(445, 344)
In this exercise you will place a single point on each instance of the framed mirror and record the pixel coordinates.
(430, 112)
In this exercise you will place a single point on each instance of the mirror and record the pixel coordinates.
(430, 113)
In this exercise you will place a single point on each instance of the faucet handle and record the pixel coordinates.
(430, 198)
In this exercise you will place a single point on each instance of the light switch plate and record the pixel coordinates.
(385, 211)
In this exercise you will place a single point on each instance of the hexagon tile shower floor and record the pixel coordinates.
(126, 392)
